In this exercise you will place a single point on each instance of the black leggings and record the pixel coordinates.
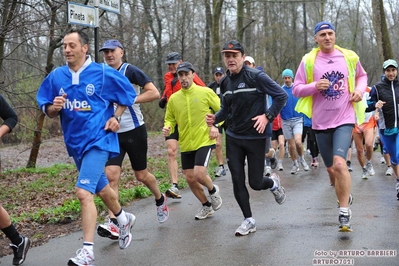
(311, 141)
(254, 150)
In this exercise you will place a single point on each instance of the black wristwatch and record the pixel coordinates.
(118, 118)
(269, 117)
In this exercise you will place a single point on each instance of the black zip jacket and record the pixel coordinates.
(244, 97)
(388, 92)
(7, 114)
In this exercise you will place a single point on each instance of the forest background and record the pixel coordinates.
(276, 33)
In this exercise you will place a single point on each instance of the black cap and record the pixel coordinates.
(233, 47)
(185, 66)
(218, 70)
(173, 58)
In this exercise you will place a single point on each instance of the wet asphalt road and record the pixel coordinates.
(302, 231)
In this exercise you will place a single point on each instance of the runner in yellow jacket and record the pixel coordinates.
(188, 108)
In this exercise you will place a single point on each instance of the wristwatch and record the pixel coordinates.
(118, 118)
(269, 117)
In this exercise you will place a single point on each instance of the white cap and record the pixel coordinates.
(249, 59)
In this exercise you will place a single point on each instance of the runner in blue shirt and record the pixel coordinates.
(132, 137)
(292, 124)
(83, 94)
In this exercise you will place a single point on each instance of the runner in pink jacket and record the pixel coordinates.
(331, 82)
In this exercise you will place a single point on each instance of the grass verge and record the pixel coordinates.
(47, 195)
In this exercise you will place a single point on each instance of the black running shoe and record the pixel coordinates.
(397, 189)
(349, 164)
(20, 251)
(273, 163)
(173, 193)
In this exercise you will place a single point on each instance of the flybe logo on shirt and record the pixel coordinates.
(76, 105)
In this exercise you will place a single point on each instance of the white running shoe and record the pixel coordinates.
(220, 172)
(280, 166)
(389, 171)
(204, 213)
(304, 164)
(267, 171)
(163, 211)
(245, 228)
(216, 200)
(83, 258)
(364, 173)
(279, 191)
(294, 169)
(344, 220)
(370, 168)
(125, 237)
(109, 230)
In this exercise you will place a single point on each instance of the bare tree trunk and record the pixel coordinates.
(381, 31)
(156, 34)
(356, 28)
(322, 10)
(208, 28)
(8, 14)
(240, 20)
(55, 43)
(294, 31)
(247, 35)
(305, 27)
(216, 45)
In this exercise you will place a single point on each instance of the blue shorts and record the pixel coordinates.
(391, 146)
(91, 171)
(334, 142)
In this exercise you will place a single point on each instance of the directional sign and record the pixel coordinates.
(81, 14)
(109, 5)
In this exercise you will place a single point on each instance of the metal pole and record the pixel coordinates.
(96, 44)
(96, 29)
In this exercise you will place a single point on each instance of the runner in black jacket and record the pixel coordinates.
(248, 120)
(385, 98)
(218, 74)
(19, 243)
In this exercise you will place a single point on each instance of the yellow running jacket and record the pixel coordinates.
(188, 108)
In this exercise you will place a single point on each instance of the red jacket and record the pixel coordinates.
(170, 88)
(277, 123)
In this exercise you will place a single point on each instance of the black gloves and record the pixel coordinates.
(162, 102)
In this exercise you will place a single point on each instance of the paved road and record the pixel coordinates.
(302, 231)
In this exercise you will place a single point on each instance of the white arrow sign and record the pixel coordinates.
(81, 14)
(109, 5)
